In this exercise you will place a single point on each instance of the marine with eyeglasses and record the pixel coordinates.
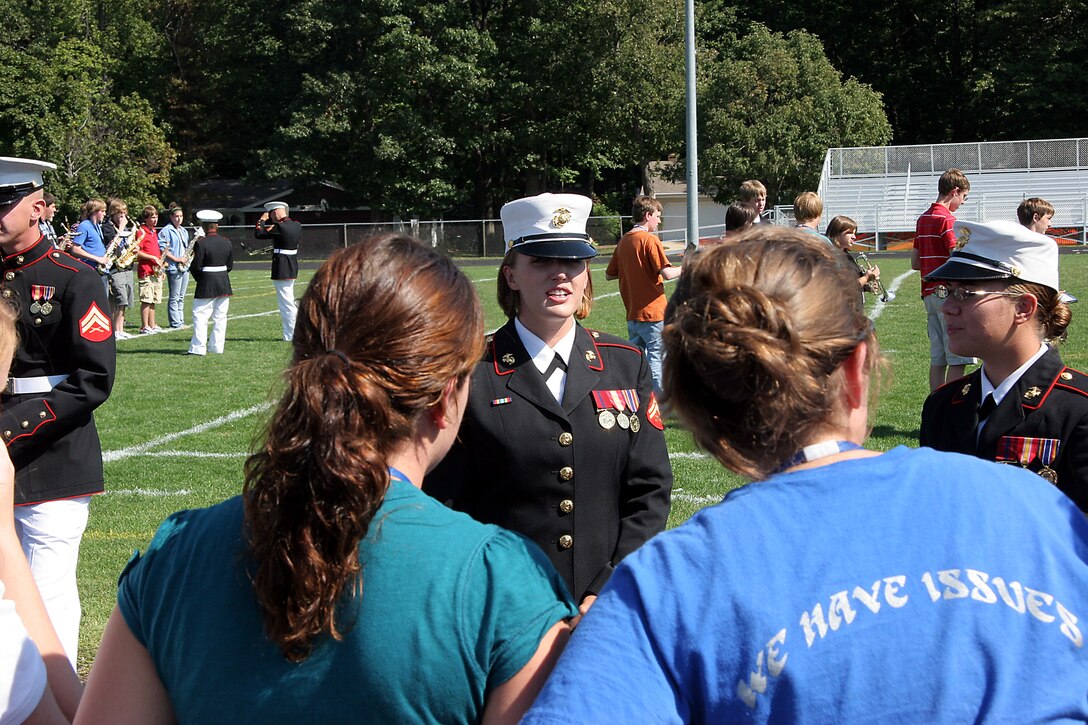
(1002, 303)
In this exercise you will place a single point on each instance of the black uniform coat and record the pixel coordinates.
(285, 234)
(1048, 401)
(51, 437)
(212, 250)
(588, 496)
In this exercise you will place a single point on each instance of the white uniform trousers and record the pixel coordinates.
(203, 309)
(285, 292)
(50, 533)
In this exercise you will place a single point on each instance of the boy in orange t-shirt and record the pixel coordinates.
(641, 266)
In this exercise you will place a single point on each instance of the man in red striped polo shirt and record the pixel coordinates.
(934, 240)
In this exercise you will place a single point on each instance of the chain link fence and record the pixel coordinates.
(460, 238)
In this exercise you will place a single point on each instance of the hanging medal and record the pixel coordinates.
(605, 418)
(47, 295)
(622, 419)
(1048, 451)
(1023, 450)
(631, 398)
(36, 292)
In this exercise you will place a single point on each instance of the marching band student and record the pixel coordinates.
(285, 234)
(1035, 214)
(149, 270)
(843, 585)
(843, 232)
(1023, 406)
(807, 209)
(88, 244)
(333, 589)
(562, 440)
(173, 244)
(121, 287)
(213, 260)
(45, 225)
(753, 194)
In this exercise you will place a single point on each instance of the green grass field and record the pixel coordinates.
(176, 429)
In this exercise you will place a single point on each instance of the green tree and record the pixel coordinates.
(58, 104)
(771, 105)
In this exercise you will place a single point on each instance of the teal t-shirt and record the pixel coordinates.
(450, 608)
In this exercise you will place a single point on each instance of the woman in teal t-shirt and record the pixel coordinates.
(333, 589)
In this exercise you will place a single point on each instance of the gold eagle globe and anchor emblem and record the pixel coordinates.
(963, 237)
(560, 217)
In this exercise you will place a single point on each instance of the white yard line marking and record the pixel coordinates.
(693, 454)
(158, 493)
(140, 448)
(681, 495)
(192, 454)
(254, 314)
(878, 308)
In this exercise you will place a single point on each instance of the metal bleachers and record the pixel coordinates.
(886, 188)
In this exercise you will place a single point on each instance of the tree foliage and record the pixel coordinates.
(59, 103)
(415, 107)
(770, 107)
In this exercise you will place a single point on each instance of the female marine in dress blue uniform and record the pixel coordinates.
(1023, 407)
(562, 439)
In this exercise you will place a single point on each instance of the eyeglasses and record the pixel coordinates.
(961, 294)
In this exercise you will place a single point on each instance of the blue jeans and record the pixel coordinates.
(175, 306)
(647, 335)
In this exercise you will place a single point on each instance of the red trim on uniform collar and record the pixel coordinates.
(1042, 399)
(27, 253)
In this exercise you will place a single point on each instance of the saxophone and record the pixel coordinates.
(110, 255)
(195, 234)
(127, 256)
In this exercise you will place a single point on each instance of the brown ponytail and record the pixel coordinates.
(382, 328)
(754, 338)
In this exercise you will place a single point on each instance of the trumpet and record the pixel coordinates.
(875, 286)
(255, 252)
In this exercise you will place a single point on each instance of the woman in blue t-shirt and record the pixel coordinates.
(844, 585)
(333, 589)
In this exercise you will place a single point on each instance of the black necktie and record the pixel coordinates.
(986, 408)
(557, 363)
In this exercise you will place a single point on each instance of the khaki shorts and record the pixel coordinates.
(939, 354)
(151, 290)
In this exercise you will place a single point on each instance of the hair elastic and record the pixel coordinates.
(337, 353)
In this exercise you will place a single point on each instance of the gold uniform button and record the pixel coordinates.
(25, 423)
(1067, 376)
(19, 259)
(37, 320)
(566, 505)
(9, 276)
(7, 294)
(41, 414)
(566, 541)
(565, 439)
(7, 434)
(566, 473)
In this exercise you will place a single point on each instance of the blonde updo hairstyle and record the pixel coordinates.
(755, 337)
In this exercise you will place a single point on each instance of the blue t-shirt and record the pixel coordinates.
(450, 609)
(89, 236)
(911, 587)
